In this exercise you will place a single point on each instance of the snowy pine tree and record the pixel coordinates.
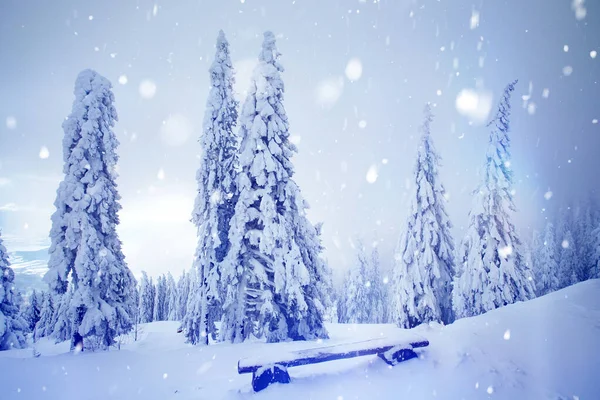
(493, 271)
(12, 325)
(546, 263)
(378, 296)
(61, 327)
(183, 290)
(215, 199)
(33, 310)
(422, 276)
(569, 262)
(146, 299)
(44, 326)
(595, 271)
(171, 298)
(160, 299)
(272, 272)
(358, 288)
(85, 248)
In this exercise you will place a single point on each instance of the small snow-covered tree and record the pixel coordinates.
(215, 199)
(85, 248)
(32, 311)
(60, 327)
(422, 276)
(569, 261)
(546, 264)
(358, 285)
(160, 299)
(44, 326)
(171, 298)
(12, 325)
(595, 271)
(493, 271)
(183, 290)
(378, 295)
(146, 299)
(272, 272)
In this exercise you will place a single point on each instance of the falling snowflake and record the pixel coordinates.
(594, 121)
(507, 334)
(11, 122)
(329, 91)
(548, 195)
(474, 23)
(565, 244)
(354, 69)
(531, 108)
(490, 390)
(567, 71)
(147, 89)
(44, 153)
(362, 124)
(546, 93)
(566, 48)
(593, 53)
(165, 375)
(505, 251)
(473, 104)
(579, 8)
(372, 174)
(123, 79)
(161, 174)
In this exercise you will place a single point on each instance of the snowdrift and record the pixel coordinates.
(547, 348)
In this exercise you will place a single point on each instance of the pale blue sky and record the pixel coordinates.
(411, 52)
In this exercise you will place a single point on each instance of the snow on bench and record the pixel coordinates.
(272, 368)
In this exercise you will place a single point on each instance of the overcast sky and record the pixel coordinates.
(357, 75)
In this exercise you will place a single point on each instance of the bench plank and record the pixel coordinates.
(329, 353)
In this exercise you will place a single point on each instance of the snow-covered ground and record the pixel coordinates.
(547, 348)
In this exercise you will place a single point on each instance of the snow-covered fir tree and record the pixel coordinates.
(12, 325)
(146, 299)
(584, 243)
(358, 288)
(160, 299)
(568, 261)
(44, 326)
(595, 272)
(378, 294)
(492, 270)
(85, 248)
(215, 200)
(183, 290)
(272, 272)
(60, 327)
(422, 275)
(31, 314)
(171, 298)
(546, 263)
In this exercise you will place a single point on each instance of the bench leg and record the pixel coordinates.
(397, 355)
(263, 377)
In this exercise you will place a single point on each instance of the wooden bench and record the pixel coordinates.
(272, 368)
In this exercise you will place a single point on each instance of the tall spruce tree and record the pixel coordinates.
(272, 272)
(146, 299)
(183, 290)
(378, 299)
(12, 325)
(493, 271)
(171, 298)
(569, 261)
(160, 299)
(422, 276)
(215, 199)
(85, 247)
(32, 311)
(358, 288)
(546, 263)
(44, 327)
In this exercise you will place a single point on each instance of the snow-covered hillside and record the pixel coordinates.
(547, 348)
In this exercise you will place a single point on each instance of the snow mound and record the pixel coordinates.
(547, 348)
